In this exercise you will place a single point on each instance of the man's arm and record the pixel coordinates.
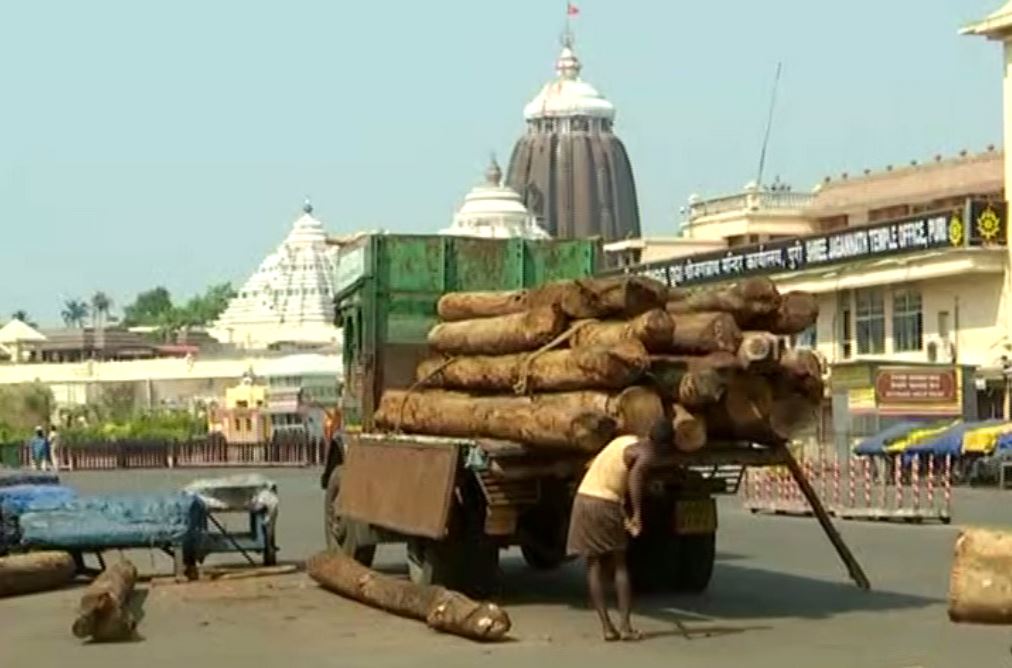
(638, 470)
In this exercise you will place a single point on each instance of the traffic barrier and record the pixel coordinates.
(199, 453)
(914, 482)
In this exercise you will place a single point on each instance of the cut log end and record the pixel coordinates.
(103, 614)
(690, 430)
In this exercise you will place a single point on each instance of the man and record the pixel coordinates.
(39, 450)
(598, 526)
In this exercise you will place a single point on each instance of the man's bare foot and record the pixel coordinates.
(610, 634)
(631, 635)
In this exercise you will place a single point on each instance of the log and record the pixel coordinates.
(690, 381)
(634, 410)
(743, 413)
(653, 329)
(521, 419)
(690, 430)
(500, 335)
(702, 333)
(746, 301)
(103, 614)
(759, 350)
(617, 297)
(594, 367)
(469, 305)
(801, 371)
(980, 584)
(797, 312)
(34, 572)
(442, 609)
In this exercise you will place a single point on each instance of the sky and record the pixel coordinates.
(146, 144)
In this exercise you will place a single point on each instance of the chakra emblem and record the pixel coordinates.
(956, 230)
(988, 225)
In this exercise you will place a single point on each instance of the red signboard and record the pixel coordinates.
(910, 385)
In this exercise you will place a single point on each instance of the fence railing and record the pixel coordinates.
(194, 453)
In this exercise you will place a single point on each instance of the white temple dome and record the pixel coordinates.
(568, 95)
(290, 295)
(492, 210)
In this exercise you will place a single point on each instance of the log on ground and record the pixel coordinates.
(455, 306)
(500, 335)
(980, 585)
(34, 572)
(690, 430)
(653, 329)
(746, 301)
(521, 419)
(442, 609)
(702, 333)
(104, 613)
(593, 367)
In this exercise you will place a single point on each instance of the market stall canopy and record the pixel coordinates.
(948, 441)
(923, 433)
(875, 445)
(984, 440)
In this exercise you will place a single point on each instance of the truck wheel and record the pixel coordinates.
(471, 566)
(541, 559)
(696, 555)
(341, 533)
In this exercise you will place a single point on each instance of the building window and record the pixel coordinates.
(869, 321)
(805, 339)
(943, 325)
(846, 331)
(908, 321)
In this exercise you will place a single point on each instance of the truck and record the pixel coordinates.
(457, 502)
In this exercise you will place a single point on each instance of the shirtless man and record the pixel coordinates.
(598, 526)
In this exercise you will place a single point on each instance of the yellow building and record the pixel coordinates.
(244, 417)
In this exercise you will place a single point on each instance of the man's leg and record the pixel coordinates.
(623, 589)
(595, 582)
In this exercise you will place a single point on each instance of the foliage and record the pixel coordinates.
(155, 308)
(116, 401)
(74, 312)
(101, 304)
(23, 316)
(144, 426)
(23, 407)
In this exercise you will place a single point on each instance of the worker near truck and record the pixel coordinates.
(599, 528)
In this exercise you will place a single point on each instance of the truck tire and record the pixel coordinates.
(467, 566)
(540, 559)
(695, 557)
(342, 533)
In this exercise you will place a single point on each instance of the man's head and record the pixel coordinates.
(662, 434)
(38, 431)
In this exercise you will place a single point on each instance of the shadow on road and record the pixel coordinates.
(736, 592)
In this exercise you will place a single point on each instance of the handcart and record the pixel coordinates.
(251, 494)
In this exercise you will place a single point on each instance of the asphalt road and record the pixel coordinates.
(779, 598)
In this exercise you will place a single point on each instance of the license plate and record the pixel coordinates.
(695, 516)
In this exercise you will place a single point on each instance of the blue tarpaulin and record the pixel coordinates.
(875, 445)
(17, 499)
(1004, 442)
(18, 477)
(115, 521)
(949, 442)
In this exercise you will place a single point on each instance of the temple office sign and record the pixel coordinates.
(909, 386)
(976, 224)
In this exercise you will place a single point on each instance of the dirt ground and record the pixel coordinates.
(779, 596)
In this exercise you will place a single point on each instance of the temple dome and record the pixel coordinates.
(492, 210)
(568, 95)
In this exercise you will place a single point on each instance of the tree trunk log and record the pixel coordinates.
(500, 335)
(442, 609)
(615, 297)
(690, 430)
(689, 380)
(802, 371)
(595, 367)
(529, 420)
(980, 585)
(743, 413)
(797, 312)
(103, 614)
(702, 333)
(35, 571)
(749, 299)
(470, 305)
(759, 350)
(653, 329)
(635, 409)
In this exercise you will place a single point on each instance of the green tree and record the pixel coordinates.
(152, 307)
(74, 312)
(101, 303)
(25, 406)
(23, 316)
(205, 309)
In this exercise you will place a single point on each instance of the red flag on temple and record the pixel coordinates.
(572, 10)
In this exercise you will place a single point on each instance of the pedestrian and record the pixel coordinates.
(54, 447)
(39, 450)
(599, 528)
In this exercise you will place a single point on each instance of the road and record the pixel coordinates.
(779, 598)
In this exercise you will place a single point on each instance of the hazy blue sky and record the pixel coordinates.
(146, 143)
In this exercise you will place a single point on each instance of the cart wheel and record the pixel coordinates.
(341, 533)
(270, 549)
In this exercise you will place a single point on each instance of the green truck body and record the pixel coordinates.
(388, 286)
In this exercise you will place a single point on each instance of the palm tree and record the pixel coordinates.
(21, 315)
(74, 312)
(100, 305)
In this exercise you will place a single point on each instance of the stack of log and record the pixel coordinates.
(572, 364)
